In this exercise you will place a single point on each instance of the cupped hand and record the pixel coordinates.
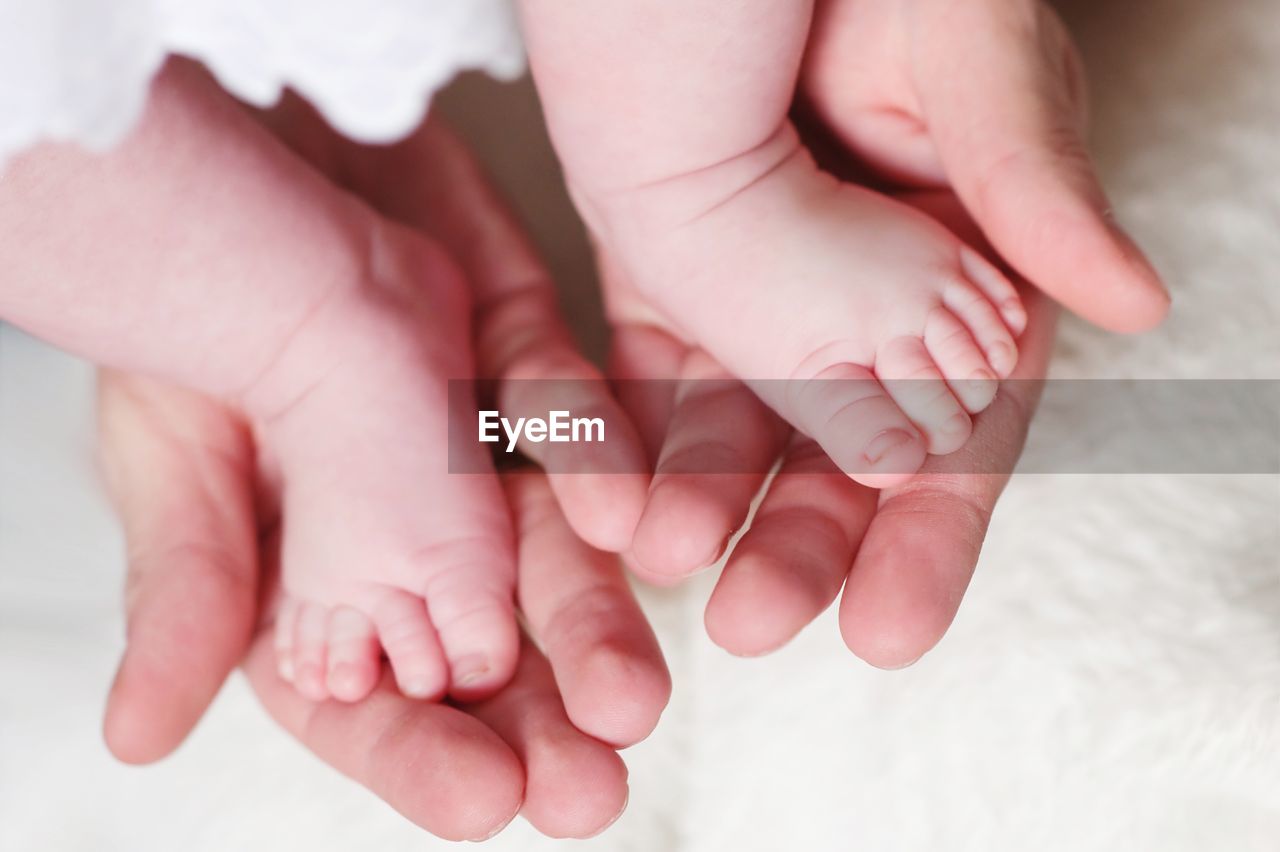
(200, 508)
(984, 103)
(904, 556)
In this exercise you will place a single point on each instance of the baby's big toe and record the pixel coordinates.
(864, 431)
(475, 618)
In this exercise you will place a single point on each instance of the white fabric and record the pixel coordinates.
(79, 69)
(1112, 682)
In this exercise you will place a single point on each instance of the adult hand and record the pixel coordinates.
(904, 556)
(988, 98)
(985, 99)
(200, 510)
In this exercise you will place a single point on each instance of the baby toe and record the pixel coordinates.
(912, 379)
(476, 622)
(961, 362)
(310, 650)
(984, 322)
(851, 416)
(353, 660)
(996, 287)
(286, 622)
(412, 646)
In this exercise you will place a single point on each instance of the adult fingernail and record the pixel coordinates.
(908, 664)
(1136, 257)
(495, 831)
(884, 443)
(622, 810)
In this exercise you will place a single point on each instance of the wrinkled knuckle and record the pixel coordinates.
(807, 454)
(589, 612)
(941, 500)
(481, 611)
(715, 455)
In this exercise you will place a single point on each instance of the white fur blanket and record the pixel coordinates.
(1112, 682)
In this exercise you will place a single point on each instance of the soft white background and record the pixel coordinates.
(1112, 682)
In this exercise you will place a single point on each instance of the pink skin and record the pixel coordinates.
(333, 331)
(182, 470)
(987, 98)
(863, 77)
(674, 132)
(201, 509)
(903, 555)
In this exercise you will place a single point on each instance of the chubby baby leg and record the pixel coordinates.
(671, 120)
(203, 252)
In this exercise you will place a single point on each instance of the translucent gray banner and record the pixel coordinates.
(1081, 426)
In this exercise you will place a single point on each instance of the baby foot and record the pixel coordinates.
(385, 551)
(887, 331)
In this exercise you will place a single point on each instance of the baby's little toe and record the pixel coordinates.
(286, 621)
(310, 652)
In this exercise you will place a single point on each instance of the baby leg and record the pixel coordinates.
(203, 252)
(638, 92)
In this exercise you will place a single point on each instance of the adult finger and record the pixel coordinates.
(644, 363)
(179, 469)
(522, 340)
(576, 785)
(1006, 116)
(438, 766)
(720, 444)
(789, 566)
(921, 547)
(579, 608)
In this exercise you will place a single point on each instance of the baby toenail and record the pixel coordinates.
(470, 669)
(344, 674)
(416, 688)
(1000, 356)
(881, 445)
(286, 669)
(981, 375)
(955, 424)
